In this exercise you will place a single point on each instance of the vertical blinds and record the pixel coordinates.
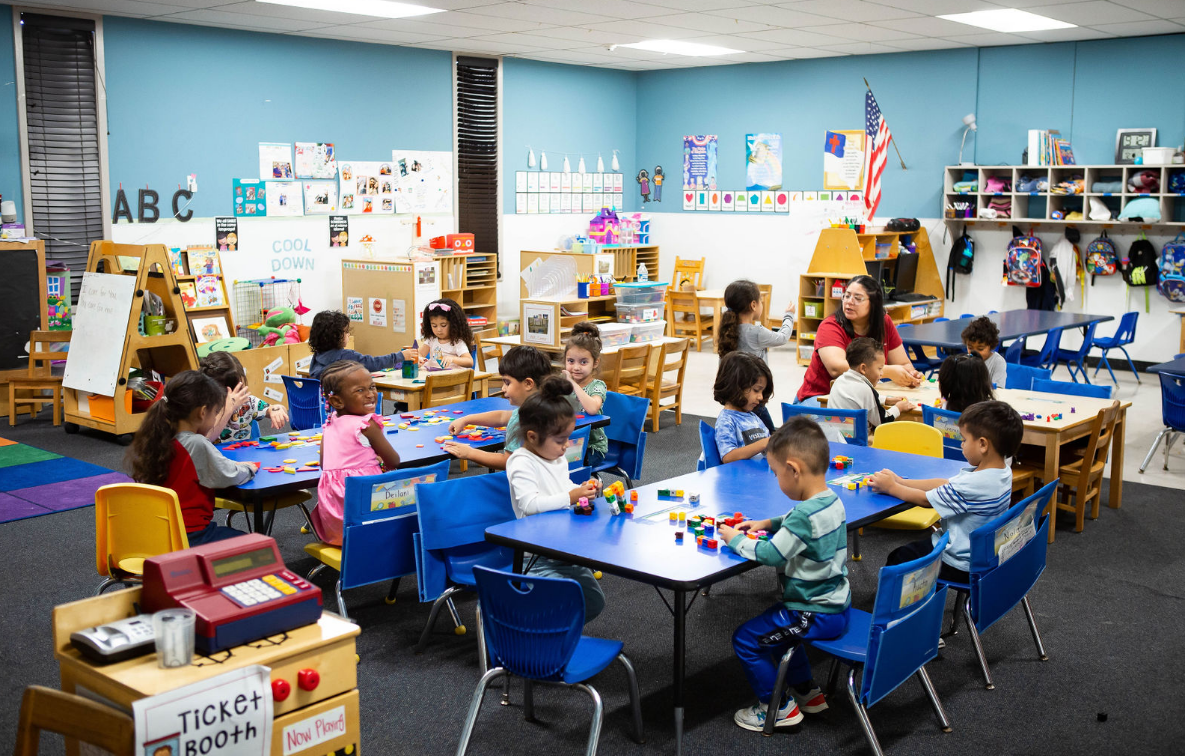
(65, 184)
(477, 152)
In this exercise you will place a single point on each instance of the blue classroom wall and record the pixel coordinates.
(192, 99)
(10, 141)
(1011, 102)
(556, 107)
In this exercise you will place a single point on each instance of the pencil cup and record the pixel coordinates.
(173, 629)
(582, 290)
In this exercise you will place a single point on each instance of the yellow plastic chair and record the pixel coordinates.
(132, 523)
(912, 438)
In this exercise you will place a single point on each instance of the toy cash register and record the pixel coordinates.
(239, 589)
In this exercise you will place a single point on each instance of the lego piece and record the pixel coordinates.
(700, 530)
(1073, 410)
(738, 515)
(679, 536)
(711, 543)
(290, 470)
(693, 498)
(850, 486)
(751, 536)
(314, 463)
(633, 495)
(629, 507)
(709, 530)
(699, 540)
(267, 439)
(678, 493)
(290, 461)
(442, 439)
(674, 517)
(664, 492)
(682, 516)
(419, 446)
(614, 508)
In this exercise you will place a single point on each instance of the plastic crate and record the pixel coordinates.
(812, 309)
(615, 334)
(806, 351)
(647, 313)
(640, 333)
(641, 293)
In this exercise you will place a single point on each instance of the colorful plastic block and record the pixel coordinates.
(629, 507)
(290, 461)
(678, 493)
(674, 517)
(442, 439)
(699, 540)
(419, 446)
(458, 412)
(664, 492)
(274, 469)
(711, 543)
(679, 536)
(614, 507)
(709, 530)
(682, 517)
(582, 501)
(290, 470)
(633, 495)
(693, 498)
(267, 439)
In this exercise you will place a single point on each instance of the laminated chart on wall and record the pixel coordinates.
(366, 187)
(843, 160)
(552, 192)
(250, 197)
(423, 181)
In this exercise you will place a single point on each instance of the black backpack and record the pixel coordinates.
(1141, 266)
(961, 260)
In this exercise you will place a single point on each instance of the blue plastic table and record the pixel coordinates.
(266, 485)
(1176, 367)
(641, 546)
(1013, 324)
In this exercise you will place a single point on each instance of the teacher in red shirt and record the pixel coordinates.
(862, 314)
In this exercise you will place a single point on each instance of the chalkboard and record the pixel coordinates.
(21, 302)
(100, 328)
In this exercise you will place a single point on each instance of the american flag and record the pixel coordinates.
(877, 131)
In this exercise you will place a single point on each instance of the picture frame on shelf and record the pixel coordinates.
(1129, 144)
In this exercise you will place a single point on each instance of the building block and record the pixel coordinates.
(419, 446)
(709, 530)
(306, 469)
(274, 469)
(614, 507)
(290, 470)
(751, 536)
(664, 492)
(693, 498)
(458, 412)
(678, 493)
(290, 461)
(679, 536)
(711, 543)
(442, 439)
(633, 495)
(682, 517)
(267, 439)
(699, 540)
(674, 517)
(629, 507)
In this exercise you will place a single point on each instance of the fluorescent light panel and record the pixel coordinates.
(1008, 20)
(380, 8)
(679, 47)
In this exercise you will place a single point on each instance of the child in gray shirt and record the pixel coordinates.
(741, 329)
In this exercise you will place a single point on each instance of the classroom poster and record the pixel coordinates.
(843, 160)
(275, 161)
(284, 199)
(339, 231)
(699, 162)
(354, 309)
(399, 315)
(423, 181)
(226, 233)
(378, 312)
(366, 187)
(320, 197)
(763, 161)
(171, 723)
(250, 197)
(315, 160)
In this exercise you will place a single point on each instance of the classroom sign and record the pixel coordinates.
(699, 161)
(230, 715)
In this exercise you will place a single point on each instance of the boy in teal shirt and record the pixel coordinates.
(809, 547)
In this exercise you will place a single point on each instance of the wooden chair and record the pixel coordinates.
(39, 379)
(487, 351)
(607, 370)
(447, 388)
(1082, 479)
(688, 270)
(633, 370)
(73, 717)
(661, 389)
(767, 294)
(696, 326)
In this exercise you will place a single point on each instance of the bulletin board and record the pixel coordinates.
(22, 302)
(264, 366)
(380, 300)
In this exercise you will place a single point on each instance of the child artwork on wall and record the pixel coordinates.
(644, 182)
(315, 160)
(275, 160)
(658, 177)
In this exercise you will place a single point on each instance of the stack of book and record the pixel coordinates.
(1047, 147)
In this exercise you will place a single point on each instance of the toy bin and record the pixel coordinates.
(641, 293)
(615, 334)
(641, 333)
(646, 313)
(812, 309)
(806, 351)
(103, 407)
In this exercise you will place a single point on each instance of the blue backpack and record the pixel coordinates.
(1172, 270)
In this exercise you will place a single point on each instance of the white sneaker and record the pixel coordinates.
(753, 718)
(812, 702)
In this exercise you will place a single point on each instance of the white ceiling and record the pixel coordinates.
(581, 31)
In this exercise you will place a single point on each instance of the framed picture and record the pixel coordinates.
(210, 329)
(540, 326)
(1130, 143)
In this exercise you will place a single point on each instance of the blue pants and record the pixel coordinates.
(761, 642)
(594, 458)
(212, 533)
(594, 598)
(762, 412)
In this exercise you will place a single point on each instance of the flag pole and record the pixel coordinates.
(892, 141)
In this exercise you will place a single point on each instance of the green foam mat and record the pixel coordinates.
(20, 454)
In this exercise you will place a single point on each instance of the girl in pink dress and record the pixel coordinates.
(352, 443)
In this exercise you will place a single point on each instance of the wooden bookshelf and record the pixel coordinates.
(472, 282)
(626, 259)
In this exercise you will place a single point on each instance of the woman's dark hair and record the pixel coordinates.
(586, 336)
(334, 376)
(982, 330)
(151, 452)
(738, 297)
(523, 362)
(224, 368)
(964, 380)
(876, 310)
(458, 324)
(328, 331)
(547, 410)
(738, 372)
(862, 351)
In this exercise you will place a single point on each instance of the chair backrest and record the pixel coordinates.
(672, 356)
(906, 622)
(626, 434)
(946, 422)
(447, 388)
(1007, 557)
(688, 270)
(851, 424)
(1087, 342)
(1053, 340)
(707, 442)
(41, 354)
(1013, 352)
(306, 408)
(577, 445)
(380, 520)
(914, 438)
(486, 351)
(682, 302)
(136, 521)
(633, 368)
(941, 320)
(48, 710)
(1098, 445)
(456, 513)
(966, 315)
(1022, 376)
(532, 624)
(1071, 389)
(1126, 333)
(1172, 400)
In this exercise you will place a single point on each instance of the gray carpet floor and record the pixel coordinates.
(1109, 607)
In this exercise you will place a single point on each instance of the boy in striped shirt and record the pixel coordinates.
(992, 433)
(809, 547)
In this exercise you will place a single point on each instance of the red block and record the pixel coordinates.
(711, 543)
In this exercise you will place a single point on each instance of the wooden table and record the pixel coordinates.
(327, 646)
(400, 389)
(1181, 312)
(513, 341)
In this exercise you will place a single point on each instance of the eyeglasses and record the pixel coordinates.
(856, 298)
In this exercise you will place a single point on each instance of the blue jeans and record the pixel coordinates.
(594, 598)
(762, 412)
(212, 533)
(760, 643)
(594, 458)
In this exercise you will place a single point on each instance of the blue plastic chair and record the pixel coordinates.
(453, 517)
(1075, 359)
(922, 362)
(947, 423)
(998, 585)
(577, 470)
(1022, 377)
(941, 320)
(1072, 389)
(1047, 357)
(1013, 352)
(893, 643)
(533, 630)
(1125, 334)
(966, 315)
(851, 424)
(1172, 411)
(707, 444)
(627, 437)
(306, 408)
(377, 536)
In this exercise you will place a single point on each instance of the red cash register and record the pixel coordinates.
(239, 589)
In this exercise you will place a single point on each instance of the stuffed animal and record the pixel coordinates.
(279, 326)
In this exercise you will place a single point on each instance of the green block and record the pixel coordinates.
(20, 454)
(267, 439)
(664, 492)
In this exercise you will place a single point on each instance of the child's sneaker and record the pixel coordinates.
(753, 718)
(812, 702)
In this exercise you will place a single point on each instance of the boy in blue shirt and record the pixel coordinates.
(992, 432)
(809, 547)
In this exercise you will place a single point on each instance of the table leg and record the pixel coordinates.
(483, 388)
(680, 653)
(69, 686)
(716, 309)
(413, 400)
(1053, 448)
(1115, 499)
(257, 505)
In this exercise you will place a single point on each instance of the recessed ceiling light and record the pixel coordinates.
(381, 8)
(679, 47)
(1008, 20)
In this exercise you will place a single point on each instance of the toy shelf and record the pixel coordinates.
(472, 282)
(626, 259)
(567, 312)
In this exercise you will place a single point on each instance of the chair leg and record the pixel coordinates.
(1131, 364)
(960, 597)
(1168, 445)
(1155, 445)
(57, 405)
(441, 600)
(312, 573)
(775, 698)
(943, 722)
(975, 640)
(594, 733)
(108, 582)
(475, 708)
(1033, 628)
(392, 591)
(341, 602)
(11, 404)
(833, 676)
(635, 697)
(856, 555)
(1080, 509)
(862, 714)
(1103, 361)
(529, 700)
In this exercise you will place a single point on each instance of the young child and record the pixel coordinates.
(856, 388)
(991, 432)
(809, 546)
(446, 335)
(539, 480)
(582, 359)
(523, 369)
(982, 337)
(353, 442)
(172, 450)
(963, 380)
(741, 329)
(743, 383)
(242, 408)
(327, 339)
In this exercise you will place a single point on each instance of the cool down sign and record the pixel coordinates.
(285, 257)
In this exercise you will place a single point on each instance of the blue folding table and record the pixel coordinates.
(642, 547)
(1013, 324)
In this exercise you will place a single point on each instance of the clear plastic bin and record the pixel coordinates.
(648, 292)
(641, 333)
(615, 334)
(806, 351)
(645, 313)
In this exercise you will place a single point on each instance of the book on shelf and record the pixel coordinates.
(1048, 147)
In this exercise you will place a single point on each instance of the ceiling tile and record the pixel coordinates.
(992, 39)
(541, 14)
(625, 54)
(928, 43)
(612, 8)
(795, 38)
(325, 18)
(861, 32)
(807, 52)
(371, 34)
(116, 7)
(1066, 35)
(452, 5)
(849, 10)
(929, 27)
(240, 20)
(1091, 13)
(583, 36)
(1158, 8)
(775, 16)
(489, 24)
(1027, 4)
(737, 42)
(703, 5)
(538, 41)
(862, 48)
(711, 24)
(427, 27)
(936, 7)
(755, 57)
(582, 57)
(1141, 28)
(635, 30)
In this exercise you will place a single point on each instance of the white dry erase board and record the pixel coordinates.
(100, 325)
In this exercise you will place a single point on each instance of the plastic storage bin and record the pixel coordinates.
(640, 333)
(615, 334)
(812, 309)
(646, 313)
(805, 351)
(645, 292)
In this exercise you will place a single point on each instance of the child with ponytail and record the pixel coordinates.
(741, 329)
(582, 361)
